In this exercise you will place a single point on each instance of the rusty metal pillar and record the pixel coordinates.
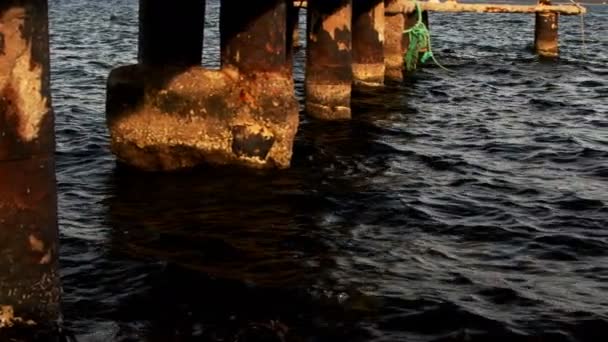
(368, 42)
(329, 74)
(393, 41)
(29, 280)
(546, 33)
(171, 32)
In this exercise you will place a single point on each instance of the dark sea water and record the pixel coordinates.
(462, 206)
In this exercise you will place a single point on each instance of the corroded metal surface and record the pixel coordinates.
(171, 32)
(329, 59)
(546, 42)
(368, 42)
(29, 284)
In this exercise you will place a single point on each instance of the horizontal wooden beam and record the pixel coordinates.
(408, 6)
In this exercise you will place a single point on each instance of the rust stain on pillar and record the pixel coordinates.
(254, 41)
(253, 35)
(368, 42)
(168, 118)
(393, 42)
(171, 32)
(29, 283)
(546, 41)
(329, 59)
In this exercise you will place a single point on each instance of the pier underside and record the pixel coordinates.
(168, 113)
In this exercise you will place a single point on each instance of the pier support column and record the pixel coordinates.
(174, 117)
(254, 41)
(171, 32)
(29, 280)
(254, 35)
(425, 19)
(546, 33)
(368, 42)
(393, 41)
(293, 26)
(329, 74)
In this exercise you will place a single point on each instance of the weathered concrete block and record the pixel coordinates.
(174, 118)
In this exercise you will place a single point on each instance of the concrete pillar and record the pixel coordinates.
(546, 33)
(171, 117)
(393, 41)
(171, 32)
(293, 39)
(368, 42)
(293, 26)
(29, 280)
(329, 74)
(254, 35)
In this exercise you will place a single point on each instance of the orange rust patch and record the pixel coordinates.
(36, 244)
(20, 77)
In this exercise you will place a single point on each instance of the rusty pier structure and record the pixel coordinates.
(167, 112)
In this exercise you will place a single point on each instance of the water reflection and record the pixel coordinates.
(230, 253)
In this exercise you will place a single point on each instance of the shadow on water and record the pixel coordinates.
(235, 255)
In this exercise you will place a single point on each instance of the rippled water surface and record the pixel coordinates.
(463, 206)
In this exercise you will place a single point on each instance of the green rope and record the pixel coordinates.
(420, 40)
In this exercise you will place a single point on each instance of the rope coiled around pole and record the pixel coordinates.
(420, 41)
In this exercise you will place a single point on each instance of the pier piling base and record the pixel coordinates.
(29, 281)
(175, 117)
(546, 35)
(368, 42)
(329, 74)
(163, 119)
